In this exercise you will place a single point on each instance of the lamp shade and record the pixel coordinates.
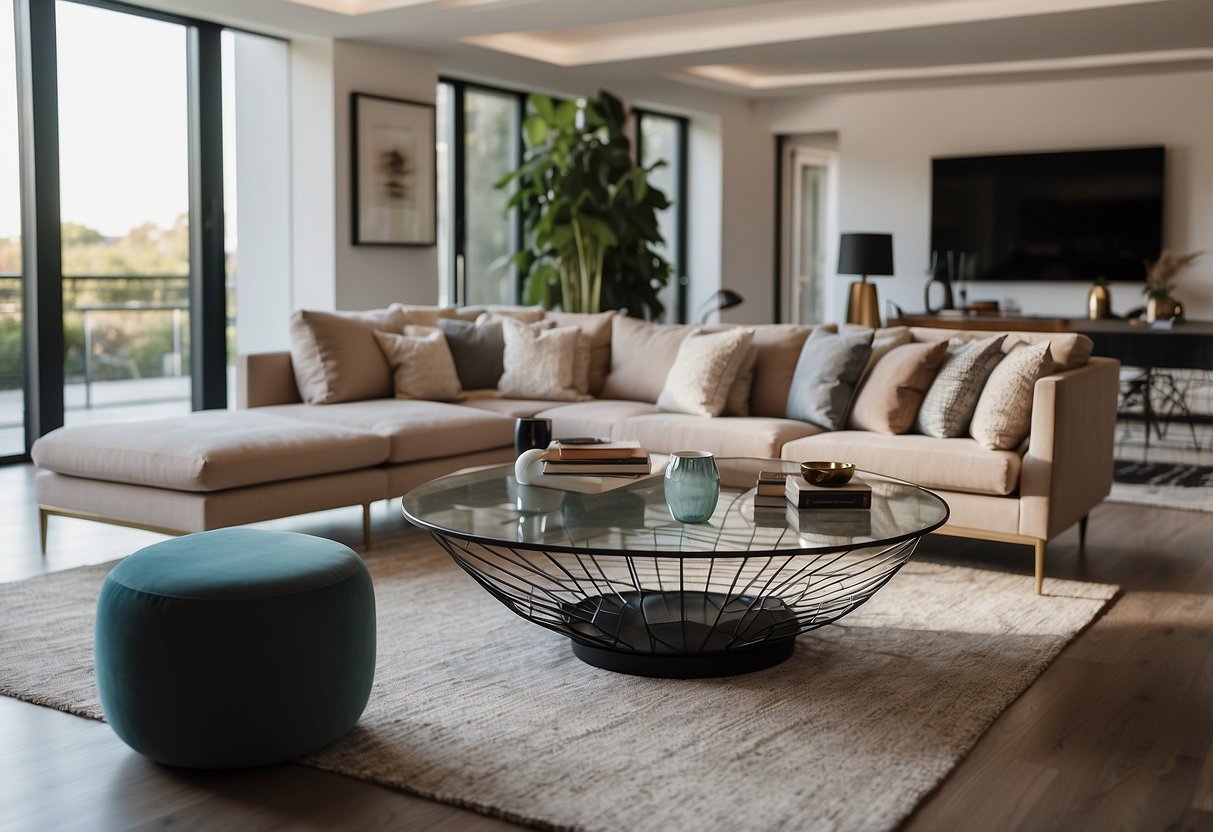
(866, 254)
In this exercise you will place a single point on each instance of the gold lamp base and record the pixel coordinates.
(863, 307)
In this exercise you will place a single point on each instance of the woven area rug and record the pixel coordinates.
(475, 707)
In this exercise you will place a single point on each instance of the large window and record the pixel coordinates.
(663, 138)
(126, 259)
(479, 142)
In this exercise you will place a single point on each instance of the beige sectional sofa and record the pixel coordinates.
(277, 455)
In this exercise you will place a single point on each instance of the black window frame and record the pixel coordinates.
(679, 198)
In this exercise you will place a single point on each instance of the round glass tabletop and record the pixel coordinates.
(489, 506)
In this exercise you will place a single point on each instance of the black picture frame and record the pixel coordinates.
(394, 171)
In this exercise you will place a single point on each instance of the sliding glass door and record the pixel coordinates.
(12, 352)
(125, 207)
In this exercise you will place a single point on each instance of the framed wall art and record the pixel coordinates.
(394, 171)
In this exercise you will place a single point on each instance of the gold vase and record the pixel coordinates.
(1163, 308)
(1099, 302)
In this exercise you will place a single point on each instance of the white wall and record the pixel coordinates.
(313, 211)
(370, 276)
(887, 140)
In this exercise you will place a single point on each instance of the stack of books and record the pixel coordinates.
(611, 459)
(770, 490)
(804, 495)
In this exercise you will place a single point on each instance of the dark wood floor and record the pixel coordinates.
(1117, 733)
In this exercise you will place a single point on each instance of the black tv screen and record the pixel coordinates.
(1050, 216)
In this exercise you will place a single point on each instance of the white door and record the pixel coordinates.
(808, 230)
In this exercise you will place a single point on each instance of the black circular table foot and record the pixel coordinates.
(697, 666)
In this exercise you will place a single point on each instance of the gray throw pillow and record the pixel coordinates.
(829, 367)
(948, 406)
(478, 351)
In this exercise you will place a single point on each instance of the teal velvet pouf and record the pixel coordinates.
(235, 647)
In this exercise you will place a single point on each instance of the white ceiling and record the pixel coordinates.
(754, 48)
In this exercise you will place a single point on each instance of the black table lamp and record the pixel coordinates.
(865, 254)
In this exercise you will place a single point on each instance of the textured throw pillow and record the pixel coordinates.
(478, 351)
(738, 403)
(641, 356)
(335, 355)
(889, 400)
(422, 366)
(1003, 415)
(539, 363)
(948, 406)
(827, 371)
(704, 369)
(597, 325)
(525, 314)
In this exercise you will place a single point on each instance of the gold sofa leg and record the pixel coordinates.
(43, 517)
(1002, 537)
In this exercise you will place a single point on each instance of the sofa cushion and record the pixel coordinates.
(478, 351)
(596, 325)
(422, 366)
(951, 464)
(416, 429)
(541, 363)
(779, 347)
(704, 371)
(522, 314)
(948, 406)
(514, 408)
(753, 436)
(1003, 415)
(738, 403)
(335, 355)
(641, 356)
(210, 450)
(889, 400)
(601, 417)
(422, 315)
(827, 371)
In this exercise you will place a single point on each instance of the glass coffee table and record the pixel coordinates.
(638, 592)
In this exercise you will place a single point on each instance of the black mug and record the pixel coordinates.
(531, 433)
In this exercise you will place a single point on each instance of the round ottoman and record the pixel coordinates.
(235, 647)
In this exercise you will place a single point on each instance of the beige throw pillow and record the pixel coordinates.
(540, 364)
(335, 355)
(597, 325)
(738, 403)
(704, 369)
(525, 314)
(419, 315)
(892, 394)
(1003, 415)
(422, 365)
(641, 356)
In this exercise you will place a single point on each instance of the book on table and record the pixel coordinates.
(771, 483)
(637, 462)
(804, 495)
(581, 449)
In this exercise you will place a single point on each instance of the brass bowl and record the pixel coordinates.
(827, 474)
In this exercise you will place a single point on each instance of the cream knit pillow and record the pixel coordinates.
(948, 406)
(541, 364)
(1004, 412)
(704, 369)
(422, 366)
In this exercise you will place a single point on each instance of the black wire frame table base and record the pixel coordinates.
(674, 615)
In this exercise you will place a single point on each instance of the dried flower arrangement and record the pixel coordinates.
(1161, 274)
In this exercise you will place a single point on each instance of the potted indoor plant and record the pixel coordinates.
(588, 211)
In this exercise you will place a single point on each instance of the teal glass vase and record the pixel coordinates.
(692, 486)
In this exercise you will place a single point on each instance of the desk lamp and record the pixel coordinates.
(865, 254)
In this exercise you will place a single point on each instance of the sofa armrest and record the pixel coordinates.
(265, 378)
(1067, 469)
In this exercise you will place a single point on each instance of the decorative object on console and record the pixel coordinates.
(1099, 300)
(531, 433)
(692, 486)
(394, 179)
(722, 300)
(1160, 281)
(937, 276)
(827, 371)
(864, 255)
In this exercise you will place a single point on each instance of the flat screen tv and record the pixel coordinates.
(1050, 216)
